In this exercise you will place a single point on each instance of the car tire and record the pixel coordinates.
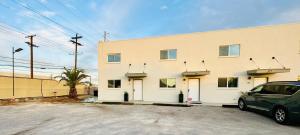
(280, 115)
(242, 105)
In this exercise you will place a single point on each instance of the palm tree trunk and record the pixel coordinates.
(73, 93)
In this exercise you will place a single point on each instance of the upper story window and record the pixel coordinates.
(229, 50)
(170, 54)
(167, 83)
(228, 82)
(114, 58)
(114, 83)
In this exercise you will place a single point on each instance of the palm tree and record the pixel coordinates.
(72, 78)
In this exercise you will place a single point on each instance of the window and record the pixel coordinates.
(229, 82)
(270, 89)
(114, 58)
(167, 83)
(229, 50)
(257, 89)
(168, 54)
(114, 83)
(290, 89)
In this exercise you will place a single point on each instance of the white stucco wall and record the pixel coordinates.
(259, 43)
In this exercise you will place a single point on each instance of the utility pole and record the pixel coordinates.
(105, 36)
(76, 44)
(31, 45)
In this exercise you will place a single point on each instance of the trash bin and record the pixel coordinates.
(126, 97)
(96, 93)
(180, 97)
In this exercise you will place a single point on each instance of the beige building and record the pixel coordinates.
(208, 67)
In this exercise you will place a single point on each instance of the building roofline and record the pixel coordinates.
(202, 32)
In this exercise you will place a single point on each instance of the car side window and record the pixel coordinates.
(270, 89)
(289, 89)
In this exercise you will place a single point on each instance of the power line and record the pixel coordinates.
(10, 29)
(47, 18)
(64, 18)
(36, 62)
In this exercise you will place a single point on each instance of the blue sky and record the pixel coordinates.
(124, 19)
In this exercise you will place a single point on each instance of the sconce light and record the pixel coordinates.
(249, 78)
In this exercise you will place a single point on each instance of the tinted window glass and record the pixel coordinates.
(163, 54)
(117, 83)
(222, 82)
(289, 89)
(270, 89)
(223, 50)
(163, 83)
(114, 58)
(232, 82)
(110, 83)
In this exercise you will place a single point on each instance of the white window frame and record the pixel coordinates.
(167, 83)
(168, 54)
(113, 61)
(114, 83)
(229, 53)
(228, 83)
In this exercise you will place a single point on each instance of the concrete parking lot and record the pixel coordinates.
(89, 119)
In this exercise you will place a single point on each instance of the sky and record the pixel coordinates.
(56, 21)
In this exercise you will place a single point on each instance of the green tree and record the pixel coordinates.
(72, 78)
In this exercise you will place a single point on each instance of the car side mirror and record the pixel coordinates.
(251, 93)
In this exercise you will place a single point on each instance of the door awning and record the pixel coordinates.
(195, 73)
(268, 71)
(136, 75)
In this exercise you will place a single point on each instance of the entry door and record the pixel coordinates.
(138, 89)
(194, 89)
(259, 81)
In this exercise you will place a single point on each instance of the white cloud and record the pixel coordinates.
(48, 13)
(290, 15)
(164, 7)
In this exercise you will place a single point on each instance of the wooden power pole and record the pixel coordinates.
(76, 45)
(31, 45)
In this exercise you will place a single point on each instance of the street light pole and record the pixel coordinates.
(13, 75)
(13, 66)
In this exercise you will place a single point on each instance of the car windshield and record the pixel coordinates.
(257, 89)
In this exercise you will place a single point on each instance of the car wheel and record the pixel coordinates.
(280, 115)
(242, 105)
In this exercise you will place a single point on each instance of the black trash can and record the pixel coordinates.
(180, 96)
(96, 93)
(126, 97)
